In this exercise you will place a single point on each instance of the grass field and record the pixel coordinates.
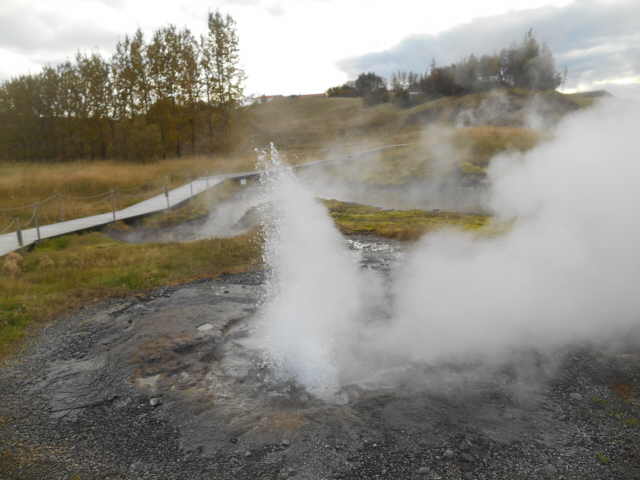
(352, 218)
(304, 129)
(66, 272)
(315, 124)
(29, 183)
(63, 273)
(23, 184)
(440, 151)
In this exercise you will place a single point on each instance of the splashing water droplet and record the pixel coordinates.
(313, 287)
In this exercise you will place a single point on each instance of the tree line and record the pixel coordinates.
(172, 95)
(529, 65)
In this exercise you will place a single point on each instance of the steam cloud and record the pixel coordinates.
(314, 291)
(567, 271)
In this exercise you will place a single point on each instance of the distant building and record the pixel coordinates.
(268, 98)
(271, 98)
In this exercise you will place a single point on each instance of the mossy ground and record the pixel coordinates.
(66, 272)
(352, 218)
(63, 273)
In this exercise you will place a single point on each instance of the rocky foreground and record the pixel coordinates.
(163, 387)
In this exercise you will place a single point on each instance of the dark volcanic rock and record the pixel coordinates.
(140, 390)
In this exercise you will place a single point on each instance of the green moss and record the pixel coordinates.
(14, 317)
(57, 243)
(617, 414)
(600, 401)
(469, 168)
(91, 267)
(602, 458)
(352, 218)
(127, 280)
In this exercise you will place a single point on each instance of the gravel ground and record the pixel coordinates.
(163, 387)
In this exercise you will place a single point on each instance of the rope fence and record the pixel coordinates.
(8, 226)
(43, 212)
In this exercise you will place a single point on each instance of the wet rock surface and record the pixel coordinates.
(165, 387)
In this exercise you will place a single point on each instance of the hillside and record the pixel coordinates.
(475, 127)
(513, 107)
(308, 121)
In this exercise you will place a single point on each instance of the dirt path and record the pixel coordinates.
(163, 387)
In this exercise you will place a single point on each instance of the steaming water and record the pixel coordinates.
(225, 220)
(314, 291)
(567, 271)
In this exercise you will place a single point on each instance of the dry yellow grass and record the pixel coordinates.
(315, 128)
(304, 128)
(11, 265)
(480, 144)
(312, 125)
(440, 151)
(28, 183)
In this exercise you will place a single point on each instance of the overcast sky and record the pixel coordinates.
(306, 46)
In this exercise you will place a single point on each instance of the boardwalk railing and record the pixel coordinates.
(17, 234)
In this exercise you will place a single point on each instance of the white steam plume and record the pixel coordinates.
(313, 293)
(567, 271)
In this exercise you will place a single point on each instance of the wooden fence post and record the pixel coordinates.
(37, 220)
(19, 234)
(113, 204)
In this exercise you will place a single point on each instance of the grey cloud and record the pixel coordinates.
(275, 10)
(30, 31)
(5, 74)
(241, 2)
(627, 92)
(593, 40)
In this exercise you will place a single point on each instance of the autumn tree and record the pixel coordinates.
(222, 76)
(95, 83)
(171, 95)
(189, 86)
(346, 90)
(529, 65)
(372, 88)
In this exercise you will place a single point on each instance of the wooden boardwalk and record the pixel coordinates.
(9, 241)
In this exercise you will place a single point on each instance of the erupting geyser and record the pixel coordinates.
(314, 287)
(565, 270)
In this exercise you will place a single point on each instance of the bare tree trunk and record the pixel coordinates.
(193, 133)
